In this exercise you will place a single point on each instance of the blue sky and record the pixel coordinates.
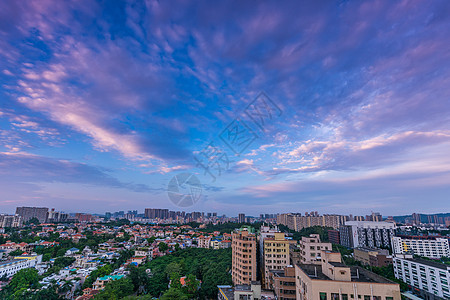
(103, 103)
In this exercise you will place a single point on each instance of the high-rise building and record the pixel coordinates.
(311, 247)
(366, 234)
(244, 267)
(156, 213)
(416, 218)
(297, 221)
(28, 213)
(10, 221)
(431, 280)
(427, 246)
(374, 217)
(241, 218)
(276, 254)
(333, 236)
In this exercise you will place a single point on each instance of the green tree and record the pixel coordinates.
(192, 285)
(163, 247)
(46, 257)
(15, 253)
(116, 289)
(174, 293)
(173, 268)
(34, 221)
(61, 252)
(24, 279)
(139, 278)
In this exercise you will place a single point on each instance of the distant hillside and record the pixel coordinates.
(423, 217)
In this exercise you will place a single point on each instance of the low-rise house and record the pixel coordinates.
(372, 256)
(71, 251)
(100, 283)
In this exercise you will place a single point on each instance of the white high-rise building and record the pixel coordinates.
(429, 278)
(371, 234)
(431, 248)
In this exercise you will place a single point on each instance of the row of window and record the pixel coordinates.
(335, 296)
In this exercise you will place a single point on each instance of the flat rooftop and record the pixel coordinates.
(358, 274)
(430, 263)
(227, 290)
(10, 262)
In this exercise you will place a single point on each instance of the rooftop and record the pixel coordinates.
(358, 274)
(10, 262)
(430, 263)
(226, 290)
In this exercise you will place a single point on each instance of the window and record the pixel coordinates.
(323, 296)
(344, 297)
(334, 296)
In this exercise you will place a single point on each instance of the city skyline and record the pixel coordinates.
(101, 106)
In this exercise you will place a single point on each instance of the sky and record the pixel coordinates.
(103, 103)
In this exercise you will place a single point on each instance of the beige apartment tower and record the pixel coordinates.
(243, 245)
(276, 254)
(311, 247)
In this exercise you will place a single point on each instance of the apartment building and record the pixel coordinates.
(282, 282)
(28, 213)
(430, 247)
(311, 247)
(264, 233)
(297, 221)
(243, 244)
(371, 234)
(372, 256)
(333, 236)
(431, 280)
(10, 267)
(10, 221)
(204, 241)
(276, 254)
(334, 280)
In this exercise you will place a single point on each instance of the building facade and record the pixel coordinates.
(10, 221)
(371, 234)
(333, 236)
(282, 282)
(297, 221)
(28, 213)
(156, 213)
(429, 247)
(10, 267)
(311, 247)
(244, 267)
(276, 254)
(241, 218)
(336, 281)
(431, 280)
(372, 256)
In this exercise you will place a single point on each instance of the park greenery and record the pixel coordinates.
(305, 232)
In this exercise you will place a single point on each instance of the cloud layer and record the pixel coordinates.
(122, 96)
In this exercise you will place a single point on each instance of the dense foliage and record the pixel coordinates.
(25, 285)
(297, 235)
